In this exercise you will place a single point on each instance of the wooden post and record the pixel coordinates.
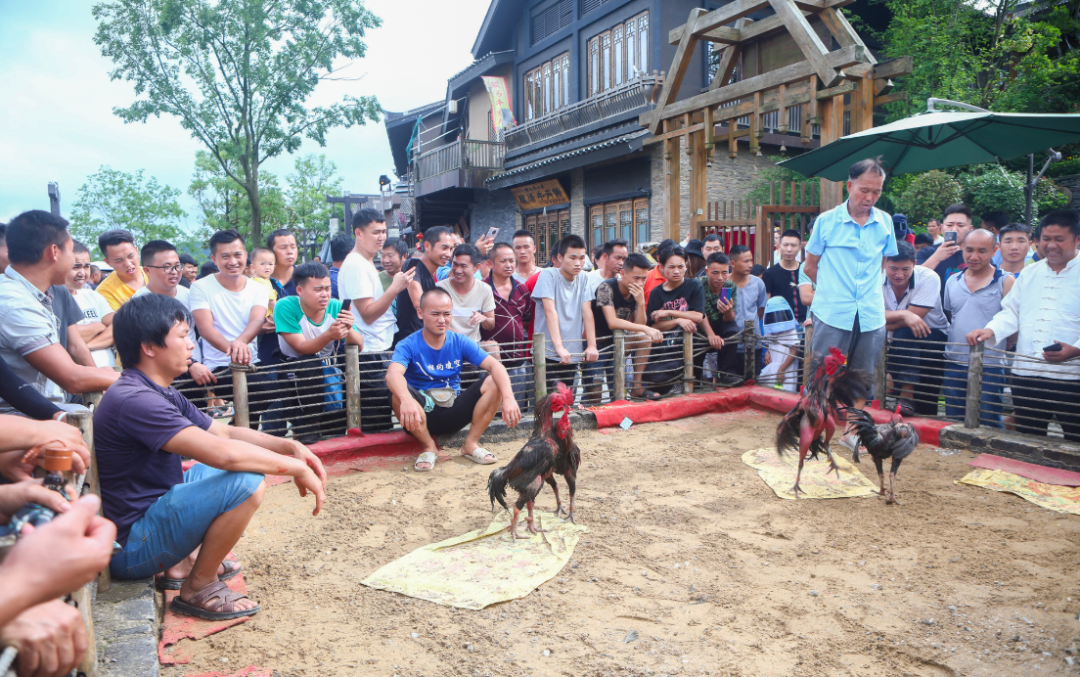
(832, 128)
(241, 408)
(808, 355)
(619, 357)
(539, 350)
(696, 150)
(688, 362)
(750, 350)
(672, 185)
(880, 375)
(974, 386)
(352, 386)
(81, 597)
(81, 600)
(85, 423)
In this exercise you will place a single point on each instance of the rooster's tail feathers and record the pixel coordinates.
(787, 433)
(497, 487)
(864, 426)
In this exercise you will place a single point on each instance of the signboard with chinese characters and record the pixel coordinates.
(539, 195)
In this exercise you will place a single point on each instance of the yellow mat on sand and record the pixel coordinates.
(1050, 496)
(482, 567)
(779, 473)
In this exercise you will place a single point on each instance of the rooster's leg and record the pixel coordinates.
(571, 482)
(529, 520)
(881, 477)
(513, 525)
(892, 489)
(806, 436)
(559, 510)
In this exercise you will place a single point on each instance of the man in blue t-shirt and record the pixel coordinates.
(424, 379)
(168, 521)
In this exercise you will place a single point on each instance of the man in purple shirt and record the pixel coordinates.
(181, 524)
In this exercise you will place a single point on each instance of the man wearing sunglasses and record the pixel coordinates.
(163, 269)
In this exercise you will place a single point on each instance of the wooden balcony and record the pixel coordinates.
(465, 163)
(634, 95)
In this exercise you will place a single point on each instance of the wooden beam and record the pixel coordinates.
(858, 71)
(672, 186)
(807, 39)
(683, 57)
(729, 59)
(698, 198)
(882, 86)
(841, 29)
(890, 98)
(862, 115)
(744, 88)
(824, 94)
(728, 36)
(894, 68)
(738, 134)
(677, 132)
(739, 9)
(832, 128)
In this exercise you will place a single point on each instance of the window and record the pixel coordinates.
(548, 20)
(547, 87)
(626, 220)
(619, 55)
(547, 229)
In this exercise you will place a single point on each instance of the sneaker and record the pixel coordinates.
(729, 380)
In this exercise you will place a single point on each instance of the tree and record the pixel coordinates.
(989, 188)
(237, 73)
(308, 187)
(927, 196)
(225, 205)
(114, 199)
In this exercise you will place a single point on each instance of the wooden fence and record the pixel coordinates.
(791, 204)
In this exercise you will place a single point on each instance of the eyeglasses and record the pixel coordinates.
(169, 269)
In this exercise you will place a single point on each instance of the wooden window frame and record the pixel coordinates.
(599, 223)
(616, 55)
(541, 94)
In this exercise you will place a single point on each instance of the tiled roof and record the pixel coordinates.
(569, 154)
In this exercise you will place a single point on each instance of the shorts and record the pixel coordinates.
(176, 523)
(602, 371)
(449, 420)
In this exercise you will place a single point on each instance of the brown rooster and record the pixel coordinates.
(550, 451)
(895, 439)
(809, 426)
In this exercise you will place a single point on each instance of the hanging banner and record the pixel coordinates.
(501, 112)
(539, 195)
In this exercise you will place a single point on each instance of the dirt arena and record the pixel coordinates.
(688, 550)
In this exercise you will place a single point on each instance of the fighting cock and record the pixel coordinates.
(895, 439)
(831, 385)
(550, 451)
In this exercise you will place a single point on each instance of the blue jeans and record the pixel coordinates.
(176, 523)
(955, 387)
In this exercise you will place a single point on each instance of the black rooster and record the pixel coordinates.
(895, 439)
(809, 426)
(550, 451)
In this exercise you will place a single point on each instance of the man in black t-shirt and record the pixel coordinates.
(620, 304)
(438, 246)
(782, 279)
(679, 303)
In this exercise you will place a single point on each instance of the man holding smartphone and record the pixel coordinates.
(1043, 309)
(947, 258)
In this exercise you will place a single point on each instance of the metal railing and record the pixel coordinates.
(460, 154)
(636, 93)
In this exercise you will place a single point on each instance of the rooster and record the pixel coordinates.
(550, 451)
(810, 425)
(895, 439)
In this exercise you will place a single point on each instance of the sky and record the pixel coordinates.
(56, 100)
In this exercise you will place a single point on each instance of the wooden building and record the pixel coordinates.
(580, 76)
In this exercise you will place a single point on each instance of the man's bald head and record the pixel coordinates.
(978, 249)
(988, 236)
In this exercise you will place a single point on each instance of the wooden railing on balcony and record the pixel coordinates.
(636, 93)
(461, 154)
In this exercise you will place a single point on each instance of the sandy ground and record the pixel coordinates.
(688, 549)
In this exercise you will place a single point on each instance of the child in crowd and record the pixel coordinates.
(262, 267)
(782, 338)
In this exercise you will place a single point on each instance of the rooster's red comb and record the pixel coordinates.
(562, 398)
(834, 360)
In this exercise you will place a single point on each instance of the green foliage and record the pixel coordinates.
(988, 188)
(1070, 164)
(314, 179)
(237, 73)
(978, 52)
(114, 199)
(927, 195)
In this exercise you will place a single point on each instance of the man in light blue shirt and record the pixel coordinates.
(843, 260)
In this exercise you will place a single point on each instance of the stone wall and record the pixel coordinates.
(727, 179)
(577, 202)
(496, 209)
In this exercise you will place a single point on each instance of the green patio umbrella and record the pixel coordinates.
(938, 139)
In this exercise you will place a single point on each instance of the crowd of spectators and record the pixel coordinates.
(445, 333)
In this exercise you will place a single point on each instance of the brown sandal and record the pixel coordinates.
(217, 596)
(232, 568)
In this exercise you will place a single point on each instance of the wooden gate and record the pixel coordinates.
(791, 205)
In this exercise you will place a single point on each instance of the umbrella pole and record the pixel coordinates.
(1029, 190)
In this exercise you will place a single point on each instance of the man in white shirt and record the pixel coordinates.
(919, 330)
(1043, 307)
(474, 304)
(96, 325)
(164, 270)
(609, 263)
(525, 253)
(229, 310)
(933, 227)
(358, 282)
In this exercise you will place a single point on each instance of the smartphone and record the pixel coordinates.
(950, 236)
(492, 232)
(345, 304)
(725, 295)
(1052, 348)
